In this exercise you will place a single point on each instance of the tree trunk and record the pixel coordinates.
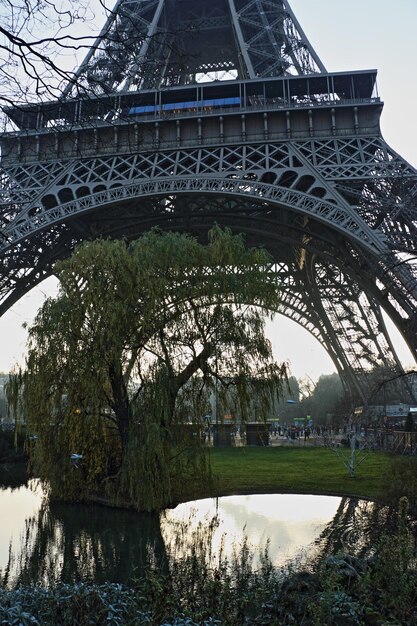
(120, 404)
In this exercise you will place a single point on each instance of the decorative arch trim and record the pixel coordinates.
(333, 215)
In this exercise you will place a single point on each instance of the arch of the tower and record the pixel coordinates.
(316, 246)
(290, 155)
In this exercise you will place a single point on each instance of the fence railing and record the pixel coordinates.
(396, 441)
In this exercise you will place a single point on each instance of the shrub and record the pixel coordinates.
(401, 480)
(72, 605)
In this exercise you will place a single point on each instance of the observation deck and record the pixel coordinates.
(272, 109)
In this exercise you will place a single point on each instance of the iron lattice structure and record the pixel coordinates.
(188, 113)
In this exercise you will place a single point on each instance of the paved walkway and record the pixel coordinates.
(276, 440)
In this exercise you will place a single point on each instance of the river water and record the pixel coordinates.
(45, 543)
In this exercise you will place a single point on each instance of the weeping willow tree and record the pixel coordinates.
(122, 362)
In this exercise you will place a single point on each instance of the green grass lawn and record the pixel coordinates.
(296, 470)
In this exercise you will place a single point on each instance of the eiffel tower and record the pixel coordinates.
(187, 113)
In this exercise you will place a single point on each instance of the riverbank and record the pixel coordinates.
(312, 470)
(340, 589)
(282, 469)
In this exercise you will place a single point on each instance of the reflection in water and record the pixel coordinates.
(46, 543)
(70, 542)
(287, 525)
(355, 527)
(13, 475)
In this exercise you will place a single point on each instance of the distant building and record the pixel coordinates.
(392, 415)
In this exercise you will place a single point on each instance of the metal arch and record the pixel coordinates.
(339, 218)
(346, 220)
(296, 303)
(334, 142)
(351, 326)
(361, 340)
(337, 163)
(309, 305)
(355, 156)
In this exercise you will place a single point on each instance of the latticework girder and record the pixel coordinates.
(161, 43)
(294, 160)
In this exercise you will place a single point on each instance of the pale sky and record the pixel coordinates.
(286, 524)
(353, 35)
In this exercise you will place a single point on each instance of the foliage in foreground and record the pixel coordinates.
(401, 480)
(342, 589)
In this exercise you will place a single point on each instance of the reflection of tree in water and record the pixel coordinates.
(355, 528)
(190, 537)
(68, 543)
(13, 476)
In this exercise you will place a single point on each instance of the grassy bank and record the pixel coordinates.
(296, 470)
